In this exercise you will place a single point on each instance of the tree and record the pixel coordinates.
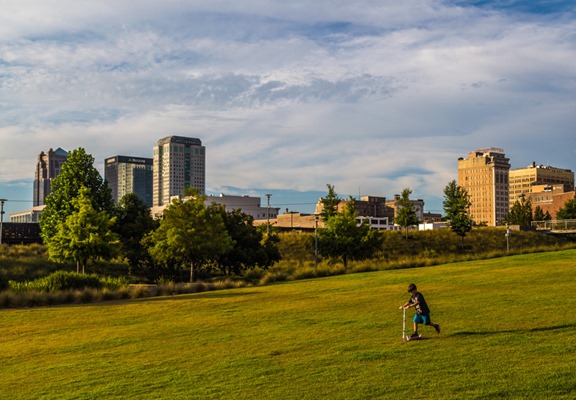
(77, 172)
(329, 204)
(85, 235)
(343, 238)
(405, 214)
(190, 234)
(538, 214)
(456, 206)
(133, 223)
(520, 212)
(568, 211)
(251, 248)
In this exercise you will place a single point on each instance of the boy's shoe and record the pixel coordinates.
(414, 335)
(437, 327)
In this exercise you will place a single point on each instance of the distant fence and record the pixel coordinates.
(20, 233)
(560, 225)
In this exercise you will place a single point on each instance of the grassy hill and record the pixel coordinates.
(422, 248)
(443, 243)
(508, 331)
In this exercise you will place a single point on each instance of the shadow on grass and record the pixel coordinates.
(544, 329)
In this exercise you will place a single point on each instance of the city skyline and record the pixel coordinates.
(371, 97)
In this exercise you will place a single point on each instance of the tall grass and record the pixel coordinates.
(29, 262)
(32, 295)
(421, 249)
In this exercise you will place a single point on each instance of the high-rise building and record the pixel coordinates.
(179, 164)
(48, 167)
(126, 174)
(484, 174)
(523, 180)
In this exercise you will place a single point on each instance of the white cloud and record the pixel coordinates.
(371, 96)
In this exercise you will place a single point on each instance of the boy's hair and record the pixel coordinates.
(411, 287)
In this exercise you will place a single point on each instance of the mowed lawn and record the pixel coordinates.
(508, 331)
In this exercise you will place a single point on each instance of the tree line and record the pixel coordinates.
(521, 212)
(81, 224)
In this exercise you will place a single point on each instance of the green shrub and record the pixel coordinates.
(64, 280)
(113, 283)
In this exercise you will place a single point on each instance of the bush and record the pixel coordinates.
(63, 280)
(253, 275)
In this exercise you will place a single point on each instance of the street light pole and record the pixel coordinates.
(268, 214)
(316, 243)
(507, 238)
(1, 219)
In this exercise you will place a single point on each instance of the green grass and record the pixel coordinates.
(508, 331)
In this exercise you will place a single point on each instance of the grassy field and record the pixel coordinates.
(508, 331)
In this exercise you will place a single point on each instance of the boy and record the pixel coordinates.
(422, 315)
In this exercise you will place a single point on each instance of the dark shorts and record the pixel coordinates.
(422, 319)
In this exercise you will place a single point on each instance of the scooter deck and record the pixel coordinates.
(409, 338)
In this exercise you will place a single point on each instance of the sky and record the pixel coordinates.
(371, 96)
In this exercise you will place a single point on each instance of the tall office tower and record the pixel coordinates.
(522, 180)
(48, 167)
(129, 175)
(179, 164)
(484, 174)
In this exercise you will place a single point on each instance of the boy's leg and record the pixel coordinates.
(417, 319)
(428, 321)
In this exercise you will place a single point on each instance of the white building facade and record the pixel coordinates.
(179, 163)
(248, 205)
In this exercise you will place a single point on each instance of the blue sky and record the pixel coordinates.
(371, 96)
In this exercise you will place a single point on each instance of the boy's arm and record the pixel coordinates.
(410, 303)
(406, 305)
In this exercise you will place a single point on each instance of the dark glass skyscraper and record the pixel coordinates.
(126, 174)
